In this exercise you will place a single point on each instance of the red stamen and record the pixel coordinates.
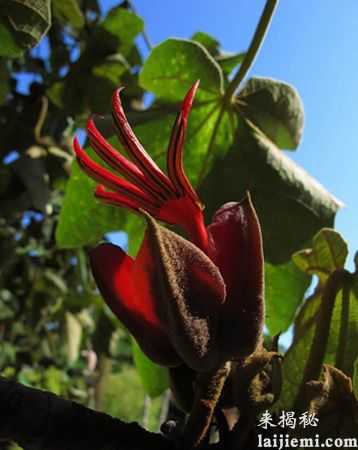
(115, 199)
(119, 163)
(176, 147)
(104, 176)
(135, 148)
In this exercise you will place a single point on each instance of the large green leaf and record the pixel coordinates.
(274, 107)
(28, 20)
(175, 65)
(291, 205)
(285, 286)
(329, 252)
(155, 379)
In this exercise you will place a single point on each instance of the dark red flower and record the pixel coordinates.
(198, 301)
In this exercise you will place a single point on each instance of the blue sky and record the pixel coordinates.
(313, 46)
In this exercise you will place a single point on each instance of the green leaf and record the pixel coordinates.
(228, 61)
(285, 287)
(29, 377)
(53, 380)
(29, 20)
(291, 205)
(274, 107)
(68, 12)
(9, 47)
(173, 67)
(154, 378)
(328, 253)
(56, 92)
(124, 26)
(113, 67)
(14, 447)
(6, 312)
(344, 318)
(211, 44)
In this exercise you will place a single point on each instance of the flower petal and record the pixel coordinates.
(183, 212)
(135, 148)
(112, 269)
(121, 200)
(111, 181)
(190, 291)
(118, 162)
(236, 248)
(176, 147)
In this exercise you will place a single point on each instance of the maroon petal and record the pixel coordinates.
(131, 302)
(190, 291)
(236, 248)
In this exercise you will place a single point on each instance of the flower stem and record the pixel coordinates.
(254, 48)
(207, 393)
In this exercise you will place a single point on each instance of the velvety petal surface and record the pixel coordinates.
(236, 248)
(126, 289)
(190, 290)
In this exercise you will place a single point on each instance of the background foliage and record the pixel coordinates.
(55, 331)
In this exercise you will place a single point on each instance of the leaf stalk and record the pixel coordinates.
(255, 45)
